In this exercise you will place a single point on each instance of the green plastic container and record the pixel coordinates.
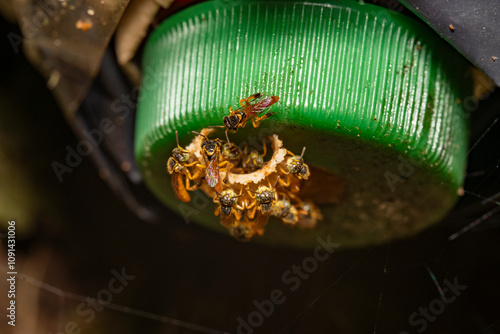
(375, 97)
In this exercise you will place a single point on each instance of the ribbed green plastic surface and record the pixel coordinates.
(359, 85)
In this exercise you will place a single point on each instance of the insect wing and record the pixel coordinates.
(265, 103)
(179, 188)
(212, 175)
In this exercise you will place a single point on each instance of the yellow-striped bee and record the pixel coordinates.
(228, 208)
(178, 167)
(248, 111)
(210, 150)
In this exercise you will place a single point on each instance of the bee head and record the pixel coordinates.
(281, 208)
(211, 147)
(231, 122)
(294, 164)
(231, 152)
(304, 172)
(171, 165)
(180, 155)
(291, 217)
(228, 197)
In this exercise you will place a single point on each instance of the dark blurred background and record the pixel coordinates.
(72, 235)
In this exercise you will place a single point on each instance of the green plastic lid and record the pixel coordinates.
(375, 97)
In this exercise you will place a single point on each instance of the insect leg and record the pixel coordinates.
(188, 184)
(255, 122)
(267, 115)
(264, 148)
(285, 183)
(252, 211)
(191, 164)
(237, 215)
(283, 171)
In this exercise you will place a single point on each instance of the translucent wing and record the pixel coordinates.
(212, 175)
(267, 102)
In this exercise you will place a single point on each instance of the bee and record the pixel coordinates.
(263, 204)
(296, 166)
(248, 111)
(177, 166)
(228, 208)
(283, 209)
(291, 217)
(309, 214)
(242, 231)
(211, 149)
(264, 198)
(254, 160)
(231, 152)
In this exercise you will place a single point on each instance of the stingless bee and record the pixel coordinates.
(248, 111)
(228, 208)
(296, 166)
(291, 217)
(210, 150)
(242, 231)
(284, 210)
(177, 166)
(264, 198)
(281, 208)
(309, 214)
(232, 153)
(254, 160)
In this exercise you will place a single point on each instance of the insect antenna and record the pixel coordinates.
(227, 137)
(303, 150)
(275, 183)
(177, 139)
(200, 134)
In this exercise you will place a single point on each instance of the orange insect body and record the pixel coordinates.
(248, 111)
(211, 149)
(178, 167)
(228, 209)
(179, 188)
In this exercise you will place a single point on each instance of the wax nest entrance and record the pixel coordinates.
(248, 190)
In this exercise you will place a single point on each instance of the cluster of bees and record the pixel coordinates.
(228, 173)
